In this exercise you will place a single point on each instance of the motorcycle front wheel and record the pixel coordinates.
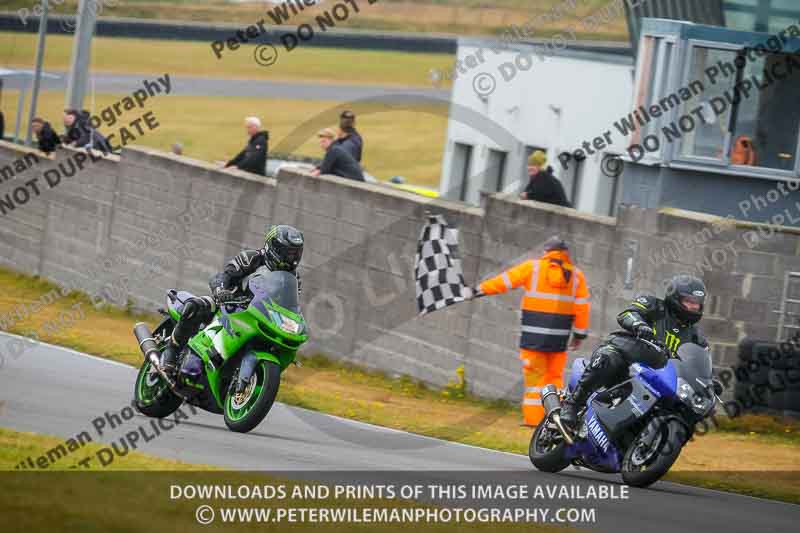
(246, 410)
(653, 452)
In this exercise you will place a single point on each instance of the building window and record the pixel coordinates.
(767, 16)
(494, 177)
(704, 139)
(766, 125)
(460, 173)
(572, 176)
(750, 119)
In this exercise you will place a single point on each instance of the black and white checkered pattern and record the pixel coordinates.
(440, 280)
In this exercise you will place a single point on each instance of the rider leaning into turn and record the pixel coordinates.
(669, 322)
(283, 248)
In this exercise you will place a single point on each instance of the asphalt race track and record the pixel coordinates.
(56, 391)
(290, 90)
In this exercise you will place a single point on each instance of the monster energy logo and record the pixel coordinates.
(672, 341)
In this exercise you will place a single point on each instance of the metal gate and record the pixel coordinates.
(789, 321)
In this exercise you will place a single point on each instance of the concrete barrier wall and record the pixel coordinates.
(126, 229)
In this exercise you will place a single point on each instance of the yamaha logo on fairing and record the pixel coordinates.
(598, 433)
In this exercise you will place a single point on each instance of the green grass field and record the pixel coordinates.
(196, 59)
(407, 142)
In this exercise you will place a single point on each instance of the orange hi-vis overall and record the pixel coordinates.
(555, 304)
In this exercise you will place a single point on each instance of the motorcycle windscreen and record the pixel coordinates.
(695, 362)
(275, 287)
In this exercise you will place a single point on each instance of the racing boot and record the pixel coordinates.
(169, 358)
(606, 363)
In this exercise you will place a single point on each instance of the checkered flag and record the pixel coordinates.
(440, 280)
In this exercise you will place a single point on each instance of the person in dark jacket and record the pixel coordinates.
(338, 161)
(253, 158)
(80, 134)
(349, 138)
(46, 135)
(2, 125)
(543, 185)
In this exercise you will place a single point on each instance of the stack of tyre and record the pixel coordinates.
(768, 377)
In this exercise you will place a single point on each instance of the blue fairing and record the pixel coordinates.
(598, 448)
(578, 367)
(664, 380)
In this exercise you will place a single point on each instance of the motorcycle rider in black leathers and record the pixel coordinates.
(668, 322)
(283, 248)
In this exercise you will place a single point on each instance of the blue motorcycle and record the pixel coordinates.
(637, 427)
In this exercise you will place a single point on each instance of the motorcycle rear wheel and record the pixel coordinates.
(245, 411)
(153, 396)
(546, 450)
(643, 465)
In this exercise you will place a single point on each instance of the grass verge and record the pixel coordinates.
(734, 457)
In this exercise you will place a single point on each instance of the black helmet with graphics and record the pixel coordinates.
(283, 247)
(685, 298)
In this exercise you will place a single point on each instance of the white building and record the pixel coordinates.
(510, 99)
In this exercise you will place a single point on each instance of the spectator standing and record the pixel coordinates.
(2, 125)
(543, 185)
(46, 135)
(337, 161)
(348, 137)
(253, 158)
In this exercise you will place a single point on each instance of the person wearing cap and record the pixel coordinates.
(556, 304)
(253, 158)
(348, 137)
(337, 161)
(543, 185)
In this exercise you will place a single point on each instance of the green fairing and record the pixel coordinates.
(247, 325)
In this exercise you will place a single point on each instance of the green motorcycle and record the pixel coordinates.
(233, 365)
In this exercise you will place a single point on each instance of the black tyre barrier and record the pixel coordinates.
(784, 380)
(746, 349)
(787, 400)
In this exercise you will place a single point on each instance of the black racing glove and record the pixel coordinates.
(644, 332)
(223, 296)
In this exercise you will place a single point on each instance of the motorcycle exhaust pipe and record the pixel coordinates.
(151, 352)
(551, 401)
(147, 344)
